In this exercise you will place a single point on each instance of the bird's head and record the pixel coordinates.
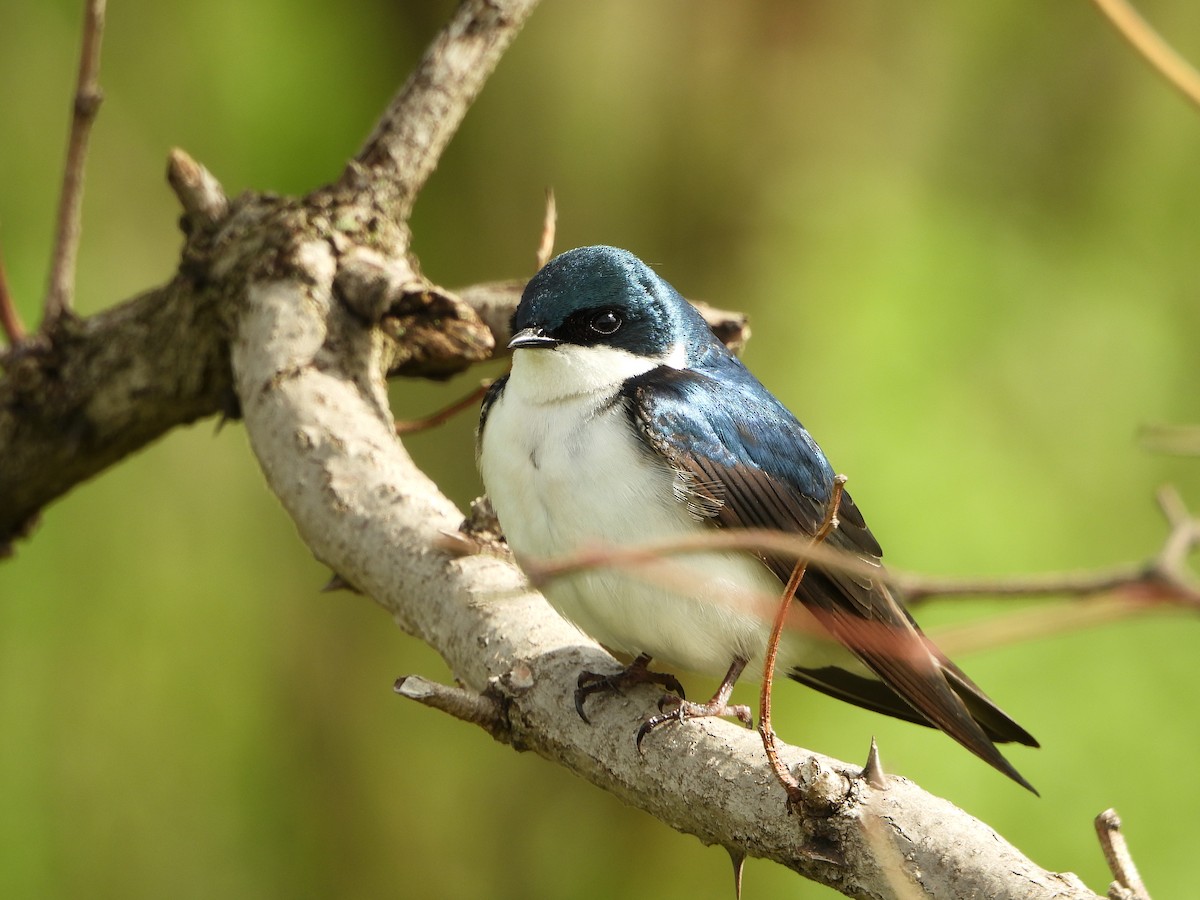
(596, 316)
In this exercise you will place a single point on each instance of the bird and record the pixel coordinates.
(623, 422)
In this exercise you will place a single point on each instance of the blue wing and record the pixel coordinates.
(749, 463)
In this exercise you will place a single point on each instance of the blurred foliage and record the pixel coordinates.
(963, 232)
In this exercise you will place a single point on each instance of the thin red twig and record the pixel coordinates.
(443, 415)
(765, 728)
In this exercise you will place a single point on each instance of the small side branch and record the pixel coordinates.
(1128, 884)
(1178, 72)
(60, 296)
(485, 710)
(408, 141)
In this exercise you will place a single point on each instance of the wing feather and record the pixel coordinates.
(757, 467)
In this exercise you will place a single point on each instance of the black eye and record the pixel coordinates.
(606, 321)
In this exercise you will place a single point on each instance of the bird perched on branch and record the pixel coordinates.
(625, 422)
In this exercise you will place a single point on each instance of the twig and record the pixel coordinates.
(1038, 624)
(1149, 43)
(60, 295)
(443, 415)
(549, 224)
(10, 319)
(790, 785)
(1129, 885)
(1176, 440)
(1164, 578)
(484, 710)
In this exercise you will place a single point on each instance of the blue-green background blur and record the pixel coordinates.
(966, 234)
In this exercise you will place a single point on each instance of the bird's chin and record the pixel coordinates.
(545, 375)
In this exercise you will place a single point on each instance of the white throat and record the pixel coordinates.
(543, 375)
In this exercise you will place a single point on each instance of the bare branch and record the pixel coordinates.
(60, 295)
(1129, 885)
(408, 141)
(1178, 72)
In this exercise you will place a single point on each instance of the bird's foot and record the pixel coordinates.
(719, 705)
(637, 672)
(676, 709)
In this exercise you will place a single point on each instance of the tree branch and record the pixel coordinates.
(409, 139)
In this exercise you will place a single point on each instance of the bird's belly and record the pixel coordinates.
(567, 479)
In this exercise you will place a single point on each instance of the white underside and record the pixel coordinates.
(565, 471)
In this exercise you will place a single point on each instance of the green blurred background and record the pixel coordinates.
(966, 236)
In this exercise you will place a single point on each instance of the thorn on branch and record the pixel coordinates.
(337, 583)
(456, 544)
(201, 195)
(1128, 884)
(873, 773)
(738, 858)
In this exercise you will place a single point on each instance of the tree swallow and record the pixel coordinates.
(625, 421)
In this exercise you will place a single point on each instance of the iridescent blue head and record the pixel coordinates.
(608, 298)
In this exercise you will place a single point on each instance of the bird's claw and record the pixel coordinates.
(684, 710)
(590, 683)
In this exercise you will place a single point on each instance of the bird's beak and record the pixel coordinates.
(531, 338)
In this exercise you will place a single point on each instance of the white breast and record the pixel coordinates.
(565, 471)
